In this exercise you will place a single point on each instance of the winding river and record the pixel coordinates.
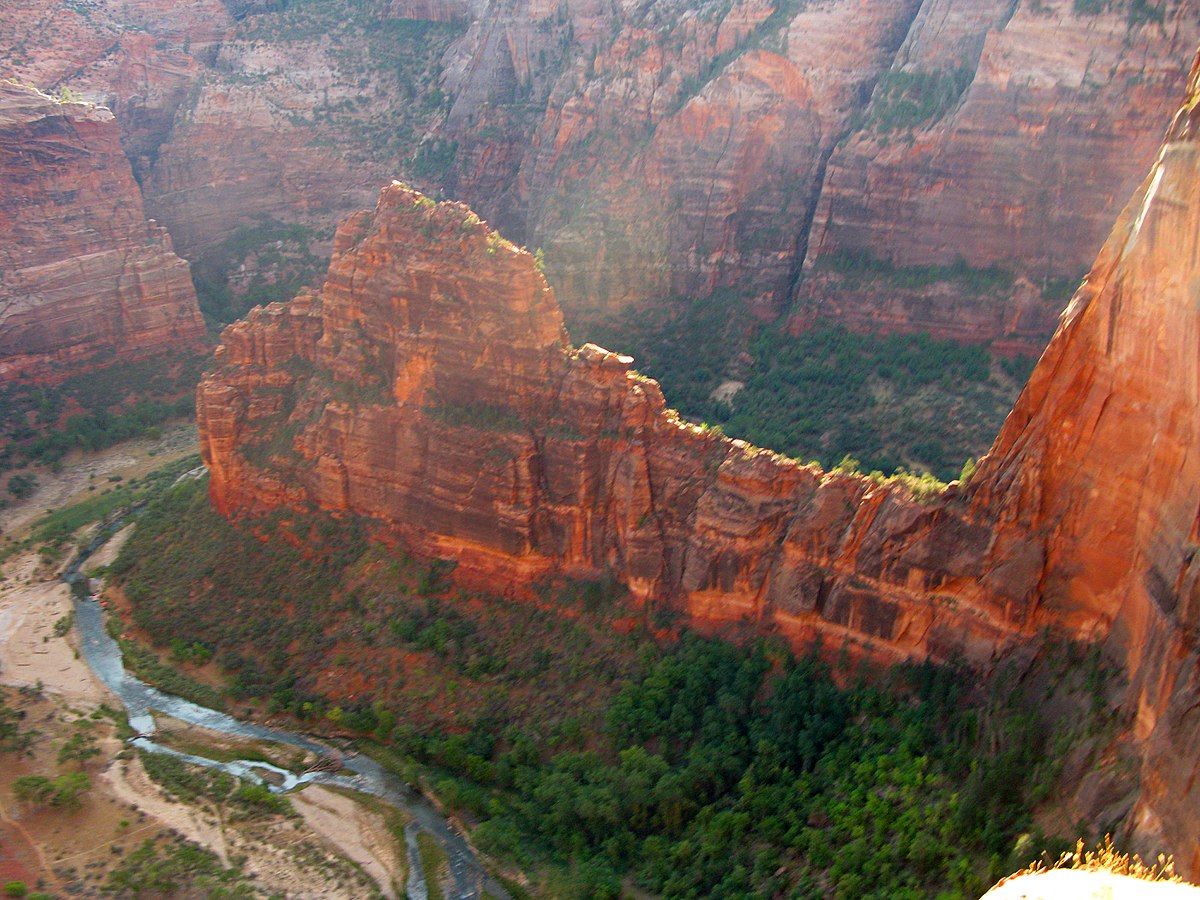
(103, 654)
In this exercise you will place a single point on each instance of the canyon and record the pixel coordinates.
(85, 273)
(430, 386)
(751, 149)
(947, 166)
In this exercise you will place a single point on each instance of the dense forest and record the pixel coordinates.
(889, 401)
(601, 748)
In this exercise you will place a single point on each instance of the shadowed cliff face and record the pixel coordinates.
(81, 268)
(685, 146)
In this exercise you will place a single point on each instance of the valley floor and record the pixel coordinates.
(335, 845)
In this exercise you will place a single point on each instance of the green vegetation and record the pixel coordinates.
(22, 486)
(63, 791)
(237, 798)
(161, 868)
(13, 739)
(433, 159)
(859, 268)
(476, 415)
(745, 772)
(275, 600)
(147, 666)
(56, 528)
(598, 758)
(892, 402)
(915, 98)
(278, 254)
(1142, 12)
(93, 410)
(433, 864)
(78, 749)
(1138, 12)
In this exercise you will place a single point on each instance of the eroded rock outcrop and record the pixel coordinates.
(81, 268)
(430, 386)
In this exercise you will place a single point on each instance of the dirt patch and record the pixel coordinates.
(31, 652)
(85, 474)
(358, 832)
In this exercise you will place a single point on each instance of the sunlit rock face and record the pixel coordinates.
(430, 386)
(1098, 468)
(81, 268)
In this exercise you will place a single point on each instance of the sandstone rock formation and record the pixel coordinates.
(677, 148)
(1096, 470)
(429, 386)
(81, 268)
(1063, 110)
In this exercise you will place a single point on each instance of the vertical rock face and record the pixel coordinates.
(736, 111)
(429, 386)
(1099, 465)
(82, 268)
(139, 58)
(1061, 111)
(681, 147)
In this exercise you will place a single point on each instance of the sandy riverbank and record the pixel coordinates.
(327, 850)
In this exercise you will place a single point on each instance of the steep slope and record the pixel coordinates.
(81, 268)
(1013, 146)
(430, 386)
(1097, 467)
(676, 148)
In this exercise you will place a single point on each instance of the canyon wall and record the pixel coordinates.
(1059, 111)
(1098, 466)
(430, 386)
(753, 150)
(81, 268)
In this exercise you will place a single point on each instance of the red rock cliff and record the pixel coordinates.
(81, 268)
(680, 147)
(430, 385)
(1098, 467)
(1061, 111)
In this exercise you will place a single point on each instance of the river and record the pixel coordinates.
(103, 655)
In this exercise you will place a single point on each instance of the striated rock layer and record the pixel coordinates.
(1061, 108)
(430, 386)
(683, 147)
(81, 268)
(1097, 469)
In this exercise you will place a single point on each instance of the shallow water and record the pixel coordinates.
(103, 654)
